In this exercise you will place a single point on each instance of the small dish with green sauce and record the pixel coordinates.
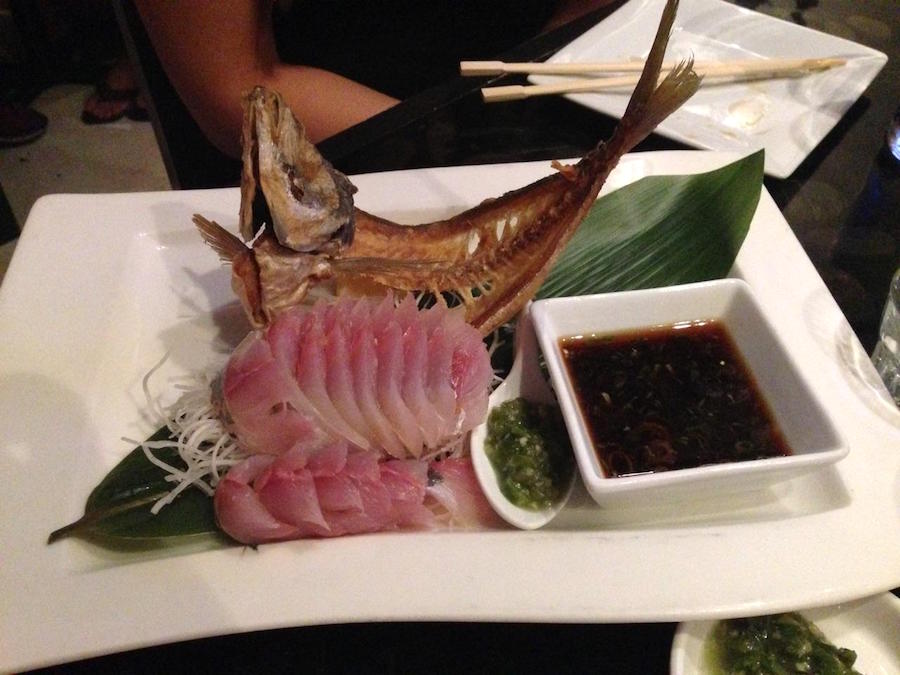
(521, 454)
(777, 644)
(859, 636)
(529, 449)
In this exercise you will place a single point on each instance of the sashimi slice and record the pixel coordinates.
(312, 376)
(437, 382)
(454, 486)
(266, 499)
(338, 493)
(364, 365)
(339, 381)
(389, 345)
(239, 511)
(387, 378)
(415, 359)
(265, 405)
(287, 335)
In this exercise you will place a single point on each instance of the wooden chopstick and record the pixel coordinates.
(731, 70)
(631, 66)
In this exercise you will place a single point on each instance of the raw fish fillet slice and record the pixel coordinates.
(385, 378)
(444, 328)
(415, 359)
(406, 312)
(363, 466)
(327, 461)
(339, 380)
(384, 313)
(465, 371)
(274, 413)
(437, 384)
(239, 510)
(408, 481)
(376, 515)
(311, 373)
(362, 313)
(390, 377)
(298, 343)
(454, 486)
(338, 493)
(289, 494)
(432, 317)
(285, 336)
(365, 365)
(448, 337)
(447, 349)
(298, 495)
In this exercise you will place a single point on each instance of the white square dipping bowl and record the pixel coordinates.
(806, 427)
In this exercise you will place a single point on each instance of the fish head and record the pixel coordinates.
(286, 183)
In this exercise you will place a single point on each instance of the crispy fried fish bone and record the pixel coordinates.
(493, 257)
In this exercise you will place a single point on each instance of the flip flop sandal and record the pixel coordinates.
(137, 113)
(19, 124)
(105, 94)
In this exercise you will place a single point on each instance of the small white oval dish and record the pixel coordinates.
(869, 626)
(524, 380)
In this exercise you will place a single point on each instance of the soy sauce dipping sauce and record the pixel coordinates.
(668, 398)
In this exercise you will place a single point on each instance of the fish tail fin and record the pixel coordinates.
(652, 101)
(223, 242)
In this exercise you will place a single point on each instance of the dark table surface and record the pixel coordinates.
(842, 203)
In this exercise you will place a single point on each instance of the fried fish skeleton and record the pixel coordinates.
(493, 257)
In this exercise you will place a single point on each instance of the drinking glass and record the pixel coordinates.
(886, 355)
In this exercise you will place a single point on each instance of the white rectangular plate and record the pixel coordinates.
(787, 117)
(101, 286)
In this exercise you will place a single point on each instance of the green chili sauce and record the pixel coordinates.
(529, 449)
(780, 644)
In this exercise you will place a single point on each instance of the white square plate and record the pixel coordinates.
(787, 117)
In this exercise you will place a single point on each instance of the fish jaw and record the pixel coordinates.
(287, 183)
(267, 278)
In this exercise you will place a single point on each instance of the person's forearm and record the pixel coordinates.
(569, 10)
(324, 102)
(213, 54)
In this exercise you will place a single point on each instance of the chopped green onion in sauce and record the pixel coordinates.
(529, 448)
(673, 397)
(781, 644)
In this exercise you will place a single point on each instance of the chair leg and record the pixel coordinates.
(9, 228)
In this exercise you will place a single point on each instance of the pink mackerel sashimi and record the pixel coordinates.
(381, 376)
(338, 490)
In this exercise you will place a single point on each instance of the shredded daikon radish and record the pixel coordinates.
(496, 341)
(200, 438)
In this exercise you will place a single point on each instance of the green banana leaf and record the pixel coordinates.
(117, 513)
(661, 231)
(658, 231)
